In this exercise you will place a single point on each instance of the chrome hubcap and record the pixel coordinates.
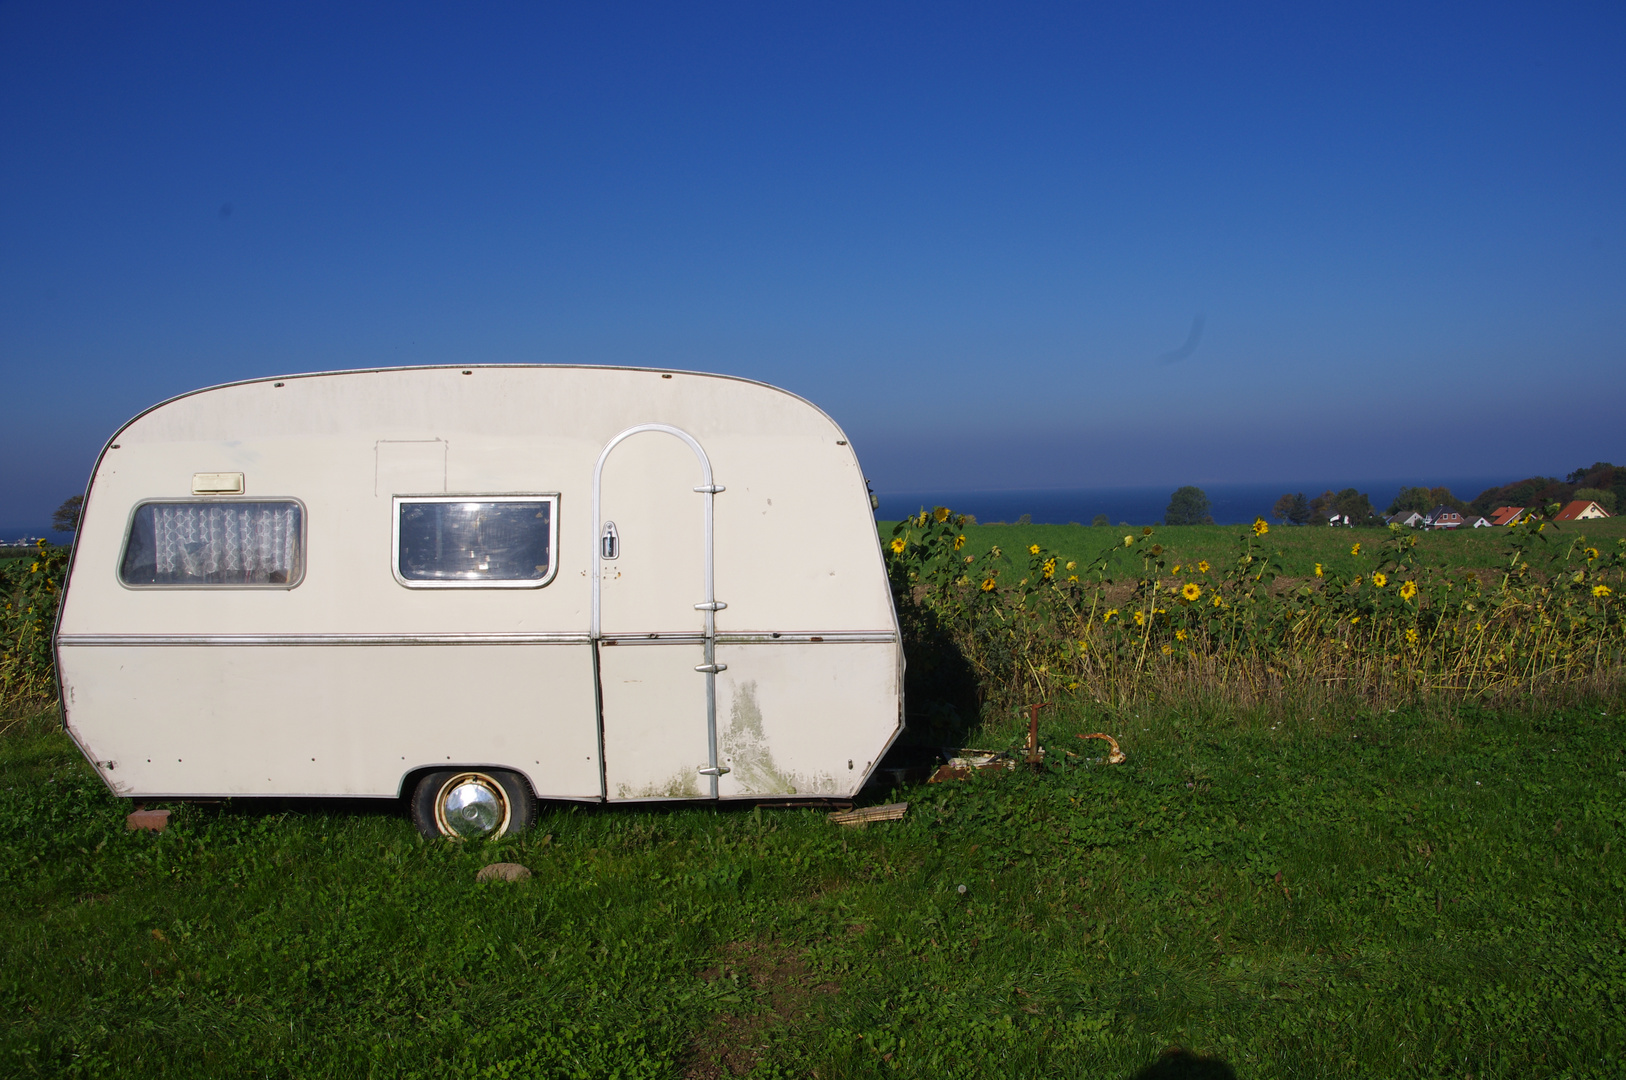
(470, 807)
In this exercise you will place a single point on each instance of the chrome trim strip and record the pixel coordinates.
(320, 639)
(843, 637)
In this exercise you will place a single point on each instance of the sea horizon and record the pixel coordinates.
(1229, 503)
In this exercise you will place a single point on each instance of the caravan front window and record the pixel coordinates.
(475, 541)
(219, 542)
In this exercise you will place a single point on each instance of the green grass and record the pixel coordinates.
(1409, 894)
(1300, 547)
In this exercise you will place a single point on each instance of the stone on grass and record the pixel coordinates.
(151, 820)
(502, 871)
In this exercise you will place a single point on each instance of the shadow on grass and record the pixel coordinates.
(1184, 1065)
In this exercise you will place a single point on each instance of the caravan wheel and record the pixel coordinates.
(470, 804)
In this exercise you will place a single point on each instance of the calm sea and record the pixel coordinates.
(1230, 504)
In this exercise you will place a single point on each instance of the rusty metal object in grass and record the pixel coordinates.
(867, 814)
(1114, 756)
(1035, 753)
(962, 763)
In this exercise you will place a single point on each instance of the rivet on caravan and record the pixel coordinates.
(472, 588)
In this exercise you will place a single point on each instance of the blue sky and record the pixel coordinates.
(980, 236)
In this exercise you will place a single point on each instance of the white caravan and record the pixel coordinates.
(479, 586)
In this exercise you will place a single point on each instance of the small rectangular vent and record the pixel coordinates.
(217, 483)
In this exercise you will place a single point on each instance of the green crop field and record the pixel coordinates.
(1415, 893)
(1300, 547)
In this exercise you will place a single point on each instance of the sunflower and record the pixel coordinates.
(1217, 601)
(1110, 613)
(1408, 590)
(1259, 526)
(1356, 580)
(988, 585)
(1168, 650)
(1050, 568)
(1180, 635)
(1071, 565)
(1591, 554)
(959, 542)
(1129, 541)
(1379, 580)
(941, 514)
(1033, 549)
(1140, 618)
(1191, 591)
(1072, 577)
(898, 545)
(1147, 531)
(921, 520)
(1157, 549)
(1411, 635)
(1600, 591)
(1318, 570)
(1356, 550)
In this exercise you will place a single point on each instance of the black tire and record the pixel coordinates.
(508, 790)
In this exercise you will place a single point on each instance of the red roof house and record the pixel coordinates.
(1508, 515)
(1581, 511)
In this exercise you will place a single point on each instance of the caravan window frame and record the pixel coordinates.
(214, 500)
(550, 497)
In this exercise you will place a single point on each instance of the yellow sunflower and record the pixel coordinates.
(1591, 554)
(941, 513)
(1259, 526)
(1050, 567)
(1380, 580)
(1600, 591)
(1110, 613)
(1192, 590)
(1411, 635)
(959, 542)
(898, 544)
(1202, 567)
(1356, 580)
(1180, 635)
(1128, 541)
(988, 585)
(1318, 570)
(1408, 590)
(1168, 650)
(1140, 618)
(1356, 550)
(1033, 549)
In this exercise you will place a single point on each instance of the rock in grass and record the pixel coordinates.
(150, 820)
(502, 871)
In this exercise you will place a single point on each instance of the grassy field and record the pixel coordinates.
(1417, 893)
(1300, 547)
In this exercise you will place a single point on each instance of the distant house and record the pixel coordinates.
(1581, 511)
(1509, 515)
(1338, 519)
(1409, 518)
(1443, 517)
(1478, 522)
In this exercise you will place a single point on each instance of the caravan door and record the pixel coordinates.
(654, 615)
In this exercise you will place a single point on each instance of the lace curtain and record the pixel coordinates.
(226, 543)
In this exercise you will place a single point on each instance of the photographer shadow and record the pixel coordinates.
(1177, 1064)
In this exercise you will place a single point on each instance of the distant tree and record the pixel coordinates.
(1300, 514)
(1187, 506)
(1605, 499)
(1441, 496)
(1412, 498)
(1100, 519)
(1348, 503)
(970, 519)
(66, 518)
(1025, 519)
(1321, 506)
(1283, 510)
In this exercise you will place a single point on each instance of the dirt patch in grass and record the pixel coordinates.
(784, 990)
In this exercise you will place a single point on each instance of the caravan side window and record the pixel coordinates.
(215, 543)
(476, 541)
